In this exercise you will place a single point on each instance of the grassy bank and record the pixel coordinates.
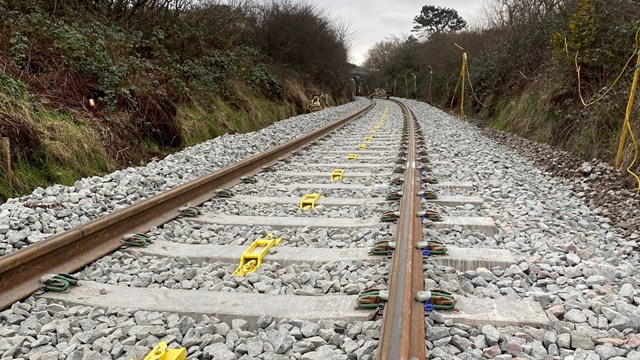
(55, 146)
(539, 114)
(90, 87)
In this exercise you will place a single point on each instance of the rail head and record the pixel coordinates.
(75, 248)
(403, 330)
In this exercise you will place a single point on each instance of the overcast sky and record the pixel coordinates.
(373, 20)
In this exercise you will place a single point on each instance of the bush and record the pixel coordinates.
(303, 38)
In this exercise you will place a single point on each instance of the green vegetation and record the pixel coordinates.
(522, 66)
(436, 19)
(198, 124)
(87, 87)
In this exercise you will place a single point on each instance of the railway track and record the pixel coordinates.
(103, 236)
(175, 281)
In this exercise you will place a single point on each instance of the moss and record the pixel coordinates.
(68, 149)
(503, 117)
(25, 177)
(198, 123)
(527, 115)
(537, 114)
(71, 144)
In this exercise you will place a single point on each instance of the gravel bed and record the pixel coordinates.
(460, 210)
(31, 218)
(354, 133)
(38, 330)
(276, 189)
(448, 191)
(315, 152)
(449, 172)
(382, 168)
(277, 179)
(182, 231)
(383, 161)
(570, 258)
(231, 207)
(130, 268)
(599, 184)
(348, 148)
(459, 237)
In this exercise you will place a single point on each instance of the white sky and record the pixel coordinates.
(374, 20)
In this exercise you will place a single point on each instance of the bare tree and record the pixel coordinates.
(382, 54)
(302, 37)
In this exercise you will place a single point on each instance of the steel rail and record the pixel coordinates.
(73, 249)
(403, 330)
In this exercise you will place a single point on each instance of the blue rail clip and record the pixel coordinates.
(428, 307)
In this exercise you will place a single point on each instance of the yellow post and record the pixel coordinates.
(415, 88)
(462, 75)
(430, 81)
(406, 87)
(627, 116)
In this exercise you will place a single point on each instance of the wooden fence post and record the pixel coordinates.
(6, 160)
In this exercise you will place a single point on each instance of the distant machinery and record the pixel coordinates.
(379, 93)
(315, 104)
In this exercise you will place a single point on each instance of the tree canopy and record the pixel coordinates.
(436, 19)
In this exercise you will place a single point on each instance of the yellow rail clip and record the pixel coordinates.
(352, 157)
(337, 174)
(368, 138)
(161, 352)
(251, 259)
(362, 146)
(372, 132)
(309, 201)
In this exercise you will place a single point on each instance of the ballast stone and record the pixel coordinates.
(218, 351)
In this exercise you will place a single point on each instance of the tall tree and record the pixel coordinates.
(436, 19)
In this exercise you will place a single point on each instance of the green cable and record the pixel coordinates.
(429, 195)
(67, 278)
(223, 194)
(437, 252)
(389, 216)
(249, 180)
(189, 212)
(60, 282)
(381, 248)
(393, 196)
(432, 215)
(137, 240)
(365, 294)
(446, 296)
(56, 285)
